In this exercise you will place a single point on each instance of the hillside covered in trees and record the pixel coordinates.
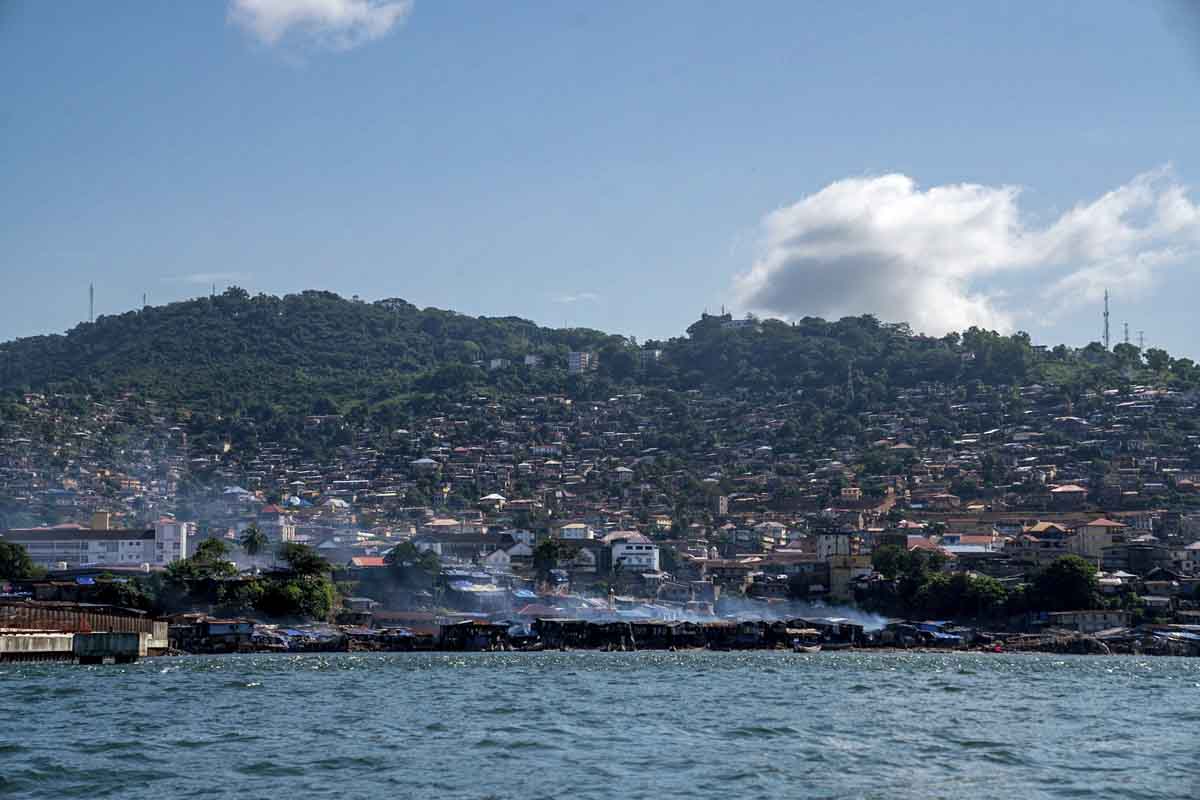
(315, 352)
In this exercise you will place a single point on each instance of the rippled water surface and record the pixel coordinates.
(599, 725)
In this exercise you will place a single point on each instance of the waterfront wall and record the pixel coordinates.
(95, 647)
(78, 618)
(35, 646)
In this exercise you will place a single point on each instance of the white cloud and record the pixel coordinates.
(339, 24)
(883, 245)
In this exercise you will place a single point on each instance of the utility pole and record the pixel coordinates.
(1107, 341)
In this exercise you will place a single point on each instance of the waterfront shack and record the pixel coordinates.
(474, 635)
(564, 633)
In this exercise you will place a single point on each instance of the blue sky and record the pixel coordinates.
(620, 165)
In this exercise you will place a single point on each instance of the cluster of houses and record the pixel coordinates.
(674, 498)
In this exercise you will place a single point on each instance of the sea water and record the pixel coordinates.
(605, 726)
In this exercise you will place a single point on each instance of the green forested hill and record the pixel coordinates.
(315, 352)
(297, 352)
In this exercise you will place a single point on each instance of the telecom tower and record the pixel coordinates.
(1107, 340)
(1126, 333)
(91, 302)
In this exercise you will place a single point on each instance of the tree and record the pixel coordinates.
(985, 596)
(211, 560)
(1068, 584)
(124, 593)
(546, 557)
(1157, 360)
(15, 563)
(889, 560)
(413, 568)
(668, 559)
(309, 596)
(302, 559)
(254, 541)
(211, 551)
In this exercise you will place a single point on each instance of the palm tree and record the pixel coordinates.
(254, 541)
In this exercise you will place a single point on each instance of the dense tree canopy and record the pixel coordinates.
(1068, 584)
(270, 359)
(15, 563)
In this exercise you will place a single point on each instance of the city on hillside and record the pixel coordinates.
(949, 501)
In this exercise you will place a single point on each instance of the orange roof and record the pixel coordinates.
(368, 561)
(1105, 523)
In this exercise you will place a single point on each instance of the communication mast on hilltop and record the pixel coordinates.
(1107, 340)
(1126, 333)
(1141, 340)
(91, 302)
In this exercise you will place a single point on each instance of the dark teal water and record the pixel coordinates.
(597, 725)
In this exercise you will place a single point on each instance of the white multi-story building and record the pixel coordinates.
(633, 551)
(171, 540)
(72, 546)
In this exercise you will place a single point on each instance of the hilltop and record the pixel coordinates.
(234, 351)
(316, 352)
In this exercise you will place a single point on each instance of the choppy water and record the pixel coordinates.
(597, 725)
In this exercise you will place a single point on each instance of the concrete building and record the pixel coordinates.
(633, 551)
(70, 546)
(1091, 540)
(581, 361)
(171, 540)
(576, 531)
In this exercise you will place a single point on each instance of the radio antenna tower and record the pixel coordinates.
(1107, 340)
(1141, 340)
(1126, 333)
(91, 302)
